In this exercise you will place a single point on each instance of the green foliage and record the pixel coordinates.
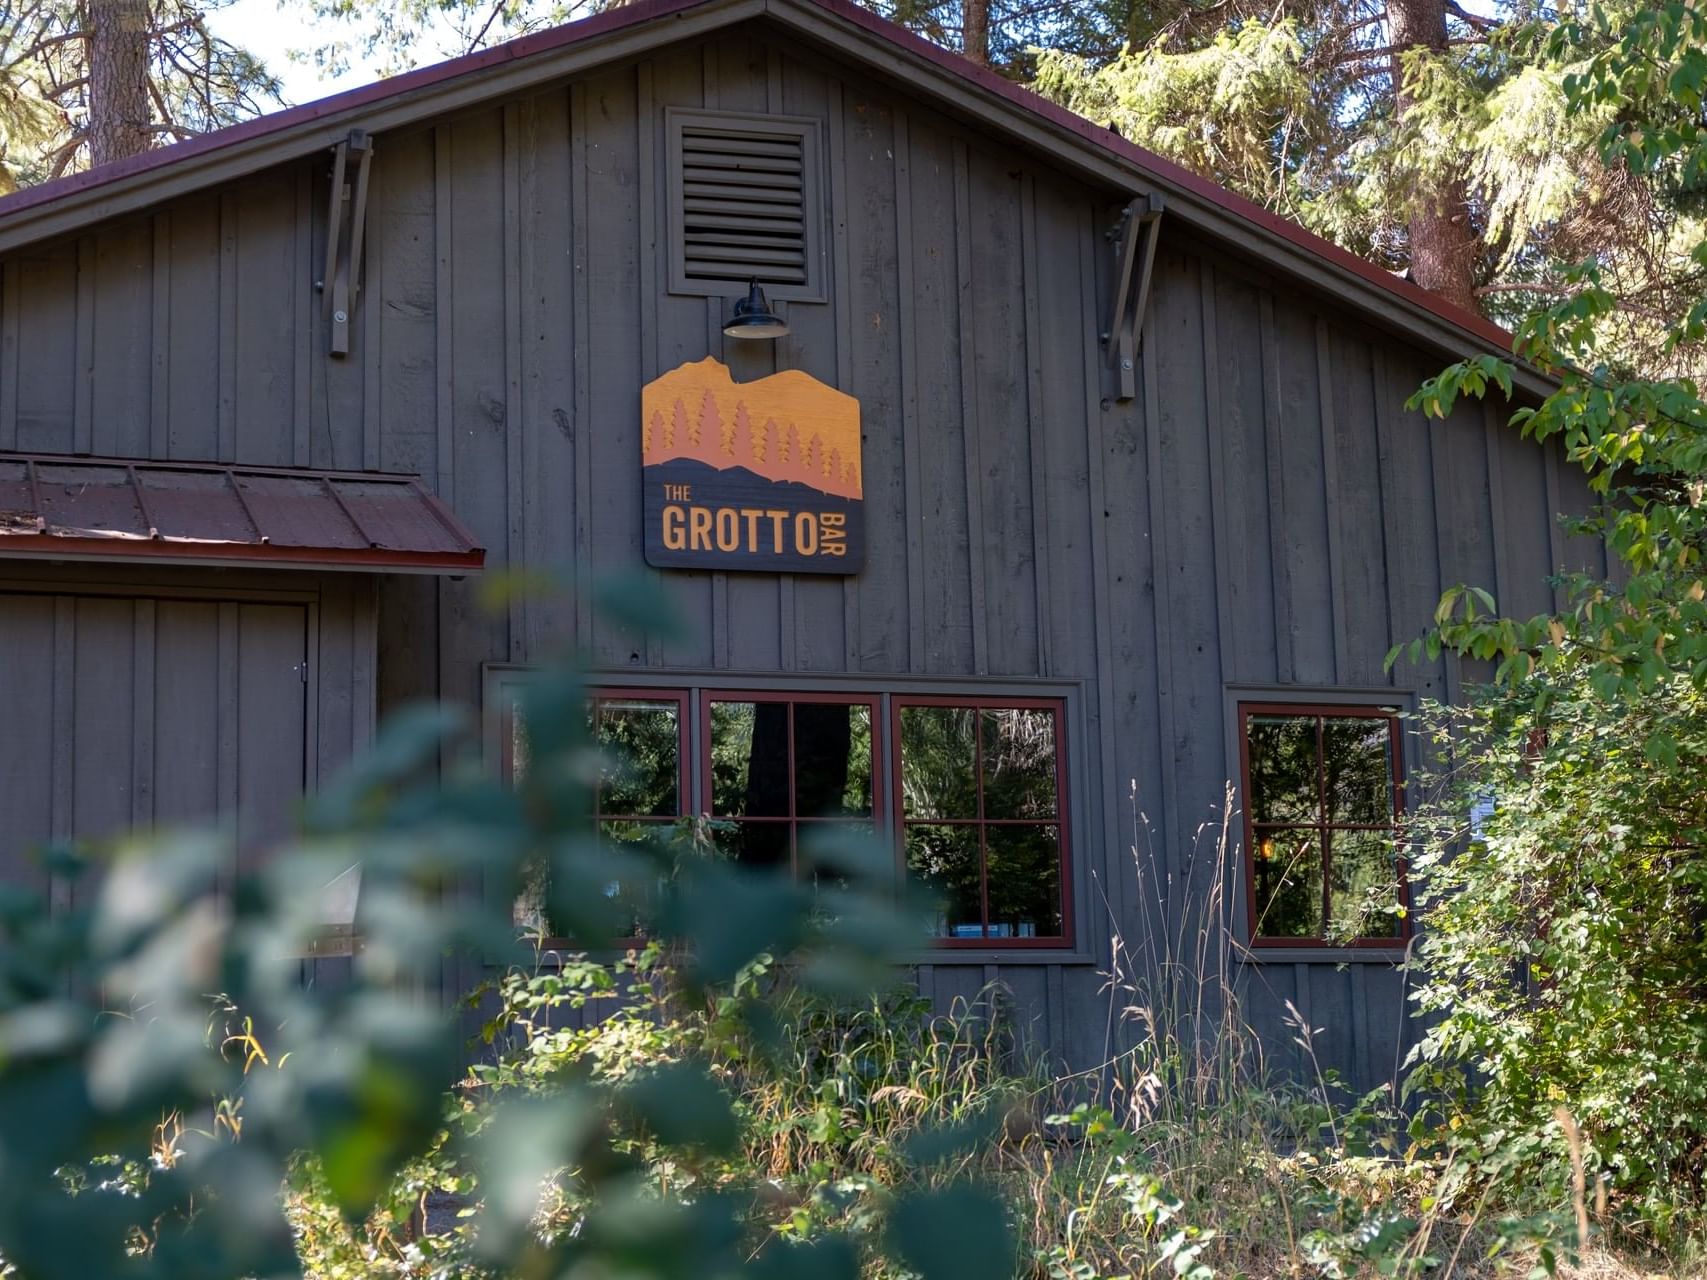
(1566, 955)
(1564, 892)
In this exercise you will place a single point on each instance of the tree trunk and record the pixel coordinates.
(118, 78)
(1443, 243)
(975, 30)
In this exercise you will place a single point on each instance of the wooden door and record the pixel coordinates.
(121, 713)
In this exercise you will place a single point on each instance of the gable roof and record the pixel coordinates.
(886, 52)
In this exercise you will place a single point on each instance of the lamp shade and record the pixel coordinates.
(753, 317)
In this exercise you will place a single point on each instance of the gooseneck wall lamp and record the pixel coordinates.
(753, 317)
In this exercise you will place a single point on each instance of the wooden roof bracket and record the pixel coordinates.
(341, 280)
(1134, 237)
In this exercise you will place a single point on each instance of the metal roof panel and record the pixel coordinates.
(77, 508)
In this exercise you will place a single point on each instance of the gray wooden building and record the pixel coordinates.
(1142, 509)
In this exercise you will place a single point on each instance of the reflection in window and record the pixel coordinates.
(981, 812)
(639, 793)
(783, 770)
(1322, 808)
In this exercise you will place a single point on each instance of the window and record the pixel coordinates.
(780, 764)
(642, 780)
(972, 790)
(744, 204)
(981, 815)
(1322, 807)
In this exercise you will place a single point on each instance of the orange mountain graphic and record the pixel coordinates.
(788, 427)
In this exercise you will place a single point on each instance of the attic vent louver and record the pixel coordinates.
(744, 204)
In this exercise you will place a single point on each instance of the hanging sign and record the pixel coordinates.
(758, 475)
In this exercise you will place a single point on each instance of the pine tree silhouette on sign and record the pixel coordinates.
(790, 468)
(741, 443)
(710, 431)
(812, 470)
(767, 445)
(655, 449)
(683, 438)
(851, 480)
(833, 472)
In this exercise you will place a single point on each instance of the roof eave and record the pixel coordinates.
(110, 191)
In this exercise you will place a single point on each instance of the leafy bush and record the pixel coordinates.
(1565, 949)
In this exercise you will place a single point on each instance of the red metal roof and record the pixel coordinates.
(76, 508)
(1485, 331)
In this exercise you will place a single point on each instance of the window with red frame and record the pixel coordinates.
(780, 767)
(974, 789)
(643, 780)
(980, 799)
(1323, 800)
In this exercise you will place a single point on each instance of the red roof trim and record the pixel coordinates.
(647, 10)
(70, 507)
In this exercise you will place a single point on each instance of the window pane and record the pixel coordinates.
(640, 770)
(944, 861)
(1288, 871)
(832, 759)
(749, 759)
(1364, 886)
(939, 762)
(756, 844)
(1024, 881)
(1019, 763)
(825, 856)
(1356, 756)
(1283, 769)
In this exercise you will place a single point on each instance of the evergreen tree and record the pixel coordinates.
(90, 81)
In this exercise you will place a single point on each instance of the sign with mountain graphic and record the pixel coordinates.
(761, 476)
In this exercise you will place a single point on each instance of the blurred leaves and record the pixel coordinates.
(147, 1127)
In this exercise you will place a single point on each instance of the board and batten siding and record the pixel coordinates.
(1264, 514)
(157, 700)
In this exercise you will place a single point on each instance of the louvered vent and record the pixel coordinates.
(746, 200)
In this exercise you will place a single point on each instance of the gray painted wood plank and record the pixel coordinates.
(196, 330)
(970, 405)
(82, 391)
(1273, 423)
(1243, 477)
(517, 259)
(880, 372)
(160, 337)
(62, 817)
(1357, 513)
(302, 328)
(1412, 566)
(119, 296)
(9, 319)
(142, 727)
(47, 352)
(581, 426)
(1332, 495)
(1043, 615)
(271, 727)
(228, 324)
(906, 312)
(549, 499)
(27, 703)
(186, 684)
(942, 524)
